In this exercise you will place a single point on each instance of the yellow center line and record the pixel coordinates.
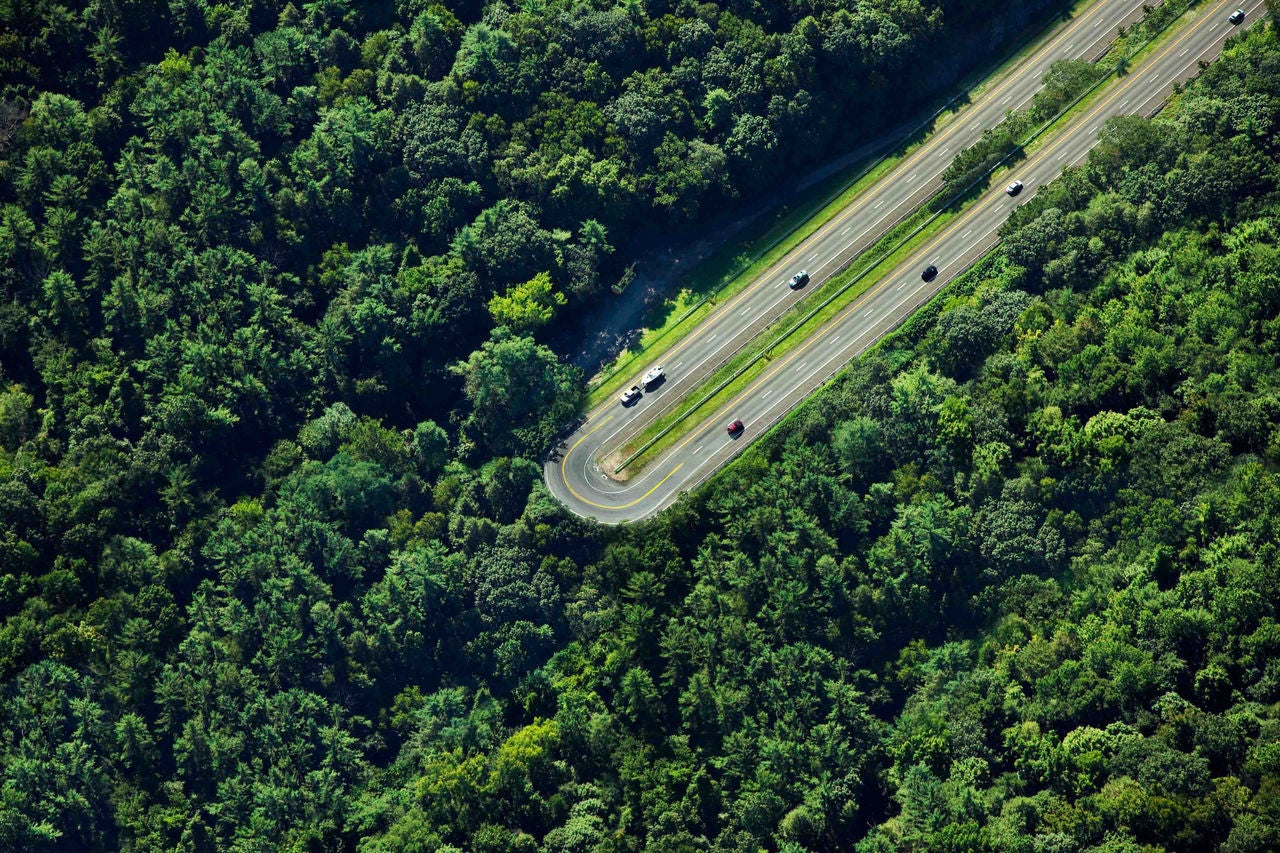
(564, 477)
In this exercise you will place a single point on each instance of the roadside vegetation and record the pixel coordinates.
(278, 571)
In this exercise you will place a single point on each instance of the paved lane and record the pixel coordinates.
(575, 478)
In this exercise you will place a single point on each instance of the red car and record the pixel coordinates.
(736, 428)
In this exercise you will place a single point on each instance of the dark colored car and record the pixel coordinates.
(930, 273)
(1014, 188)
(1237, 16)
(736, 428)
(798, 280)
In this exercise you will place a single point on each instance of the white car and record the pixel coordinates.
(655, 374)
(1014, 188)
(630, 395)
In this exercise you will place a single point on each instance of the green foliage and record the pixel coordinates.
(527, 307)
(277, 567)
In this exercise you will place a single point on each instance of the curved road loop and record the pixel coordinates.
(575, 475)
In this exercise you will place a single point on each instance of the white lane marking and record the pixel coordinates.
(1125, 103)
(1063, 154)
(1073, 44)
(711, 338)
(847, 230)
(911, 177)
(868, 312)
(678, 363)
(966, 234)
(1093, 129)
(1007, 99)
(697, 449)
(745, 312)
(1185, 51)
(813, 256)
(879, 205)
(835, 338)
(767, 393)
(899, 287)
(802, 364)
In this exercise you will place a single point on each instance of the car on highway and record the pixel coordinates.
(653, 377)
(1237, 16)
(930, 273)
(1014, 188)
(630, 395)
(736, 428)
(798, 280)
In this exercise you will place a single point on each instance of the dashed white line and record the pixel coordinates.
(1185, 51)
(697, 449)
(678, 363)
(766, 393)
(745, 312)
(879, 205)
(868, 312)
(813, 256)
(847, 230)
(835, 338)
(899, 287)
(966, 234)
(911, 177)
(1063, 154)
(802, 365)
(1007, 99)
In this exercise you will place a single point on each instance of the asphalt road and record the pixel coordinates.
(579, 480)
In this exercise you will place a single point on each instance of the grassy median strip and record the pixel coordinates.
(850, 284)
(769, 347)
(747, 258)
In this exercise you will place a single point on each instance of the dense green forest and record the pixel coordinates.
(277, 569)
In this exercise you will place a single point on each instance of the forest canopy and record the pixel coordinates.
(277, 568)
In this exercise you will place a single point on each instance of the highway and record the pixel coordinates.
(892, 199)
(578, 479)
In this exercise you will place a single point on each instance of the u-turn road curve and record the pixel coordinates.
(575, 475)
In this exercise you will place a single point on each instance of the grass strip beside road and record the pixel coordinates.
(707, 285)
(745, 366)
(740, 370)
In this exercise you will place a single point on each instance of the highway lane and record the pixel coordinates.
(575, 479)
(895, 197)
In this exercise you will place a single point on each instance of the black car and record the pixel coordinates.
(798, 280)
(1237, 16)
(930, 273)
